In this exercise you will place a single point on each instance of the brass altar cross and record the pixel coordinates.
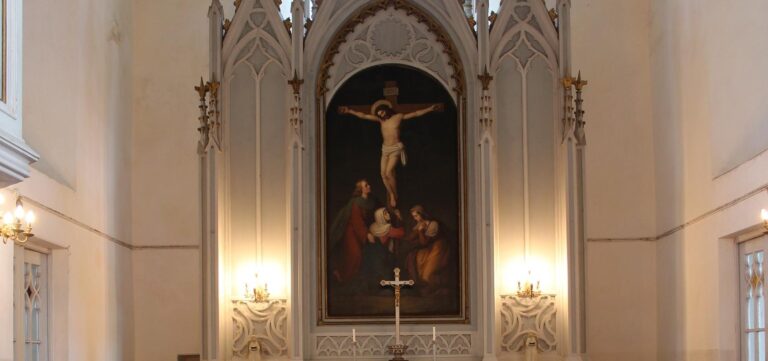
(391, 91)
(396, 284)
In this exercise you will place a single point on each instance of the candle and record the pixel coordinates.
(434, 334)
(354, 338)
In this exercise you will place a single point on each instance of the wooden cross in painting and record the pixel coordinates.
(389, 114)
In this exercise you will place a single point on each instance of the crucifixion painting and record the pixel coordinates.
(382, 212)
(390, 115)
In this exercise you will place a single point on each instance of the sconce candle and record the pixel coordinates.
(764, 217)
(528, 290)
(259, 293)
(17, 226)
(354, 337)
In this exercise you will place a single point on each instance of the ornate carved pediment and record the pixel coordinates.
(391, 31)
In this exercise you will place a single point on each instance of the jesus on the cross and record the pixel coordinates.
(385, 113)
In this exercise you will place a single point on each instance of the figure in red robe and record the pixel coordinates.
(349, 233)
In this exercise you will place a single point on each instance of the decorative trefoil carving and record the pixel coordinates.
(523, 317)
(259, 327)
(428, 45)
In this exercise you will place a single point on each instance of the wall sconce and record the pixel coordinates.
(17, 225)
(528, 290)
(259, 293)
(764, 217)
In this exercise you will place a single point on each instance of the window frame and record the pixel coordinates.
(20, 333)
(58, 294)
(10, 94)
(752, 246)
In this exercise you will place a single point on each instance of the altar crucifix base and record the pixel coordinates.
(398, 351)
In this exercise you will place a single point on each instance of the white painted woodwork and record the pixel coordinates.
(15, 154)
(516, 189)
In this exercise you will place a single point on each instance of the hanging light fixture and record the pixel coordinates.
(17, 225)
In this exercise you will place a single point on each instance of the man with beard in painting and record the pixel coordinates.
(349, 233)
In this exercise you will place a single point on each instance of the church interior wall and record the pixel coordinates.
(707, 119)
(686, 155)
(675, 128)
(75, 116)
(170, 41)
(620, 183)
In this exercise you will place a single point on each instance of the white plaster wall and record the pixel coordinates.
(170, 55)
(74, 83)
(621, 307)
(611, 46)
(167, 284)
(709, 115)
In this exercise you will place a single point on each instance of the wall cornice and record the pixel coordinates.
(15, 158)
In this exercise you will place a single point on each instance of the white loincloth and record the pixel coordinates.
(393, 151)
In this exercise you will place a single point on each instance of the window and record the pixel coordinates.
(752, 255)
(3, 48)
(30, 305)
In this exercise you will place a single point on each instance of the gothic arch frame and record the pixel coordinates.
(319, 71)
(360, 16)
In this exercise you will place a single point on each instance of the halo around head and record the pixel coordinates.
(378, 104)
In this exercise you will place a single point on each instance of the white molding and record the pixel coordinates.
(15, 159)
(14, 48)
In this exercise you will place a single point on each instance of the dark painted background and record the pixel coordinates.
(431, 178)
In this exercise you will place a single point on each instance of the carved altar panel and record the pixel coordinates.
(259, 327)
(521, 317)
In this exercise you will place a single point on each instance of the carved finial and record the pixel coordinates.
(552, 14)
(492, 18)
(580, 84)
(308, 25)
(278, 3)
(227, 24)
(471, 21)
(568, 81)
(237, 4)
(213, 87)
(485, 79)
(296, 82)
(288, 25)
(202, 89)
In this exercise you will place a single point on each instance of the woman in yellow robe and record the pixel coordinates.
(427, 262)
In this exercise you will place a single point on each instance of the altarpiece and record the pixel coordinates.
(357, 136)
